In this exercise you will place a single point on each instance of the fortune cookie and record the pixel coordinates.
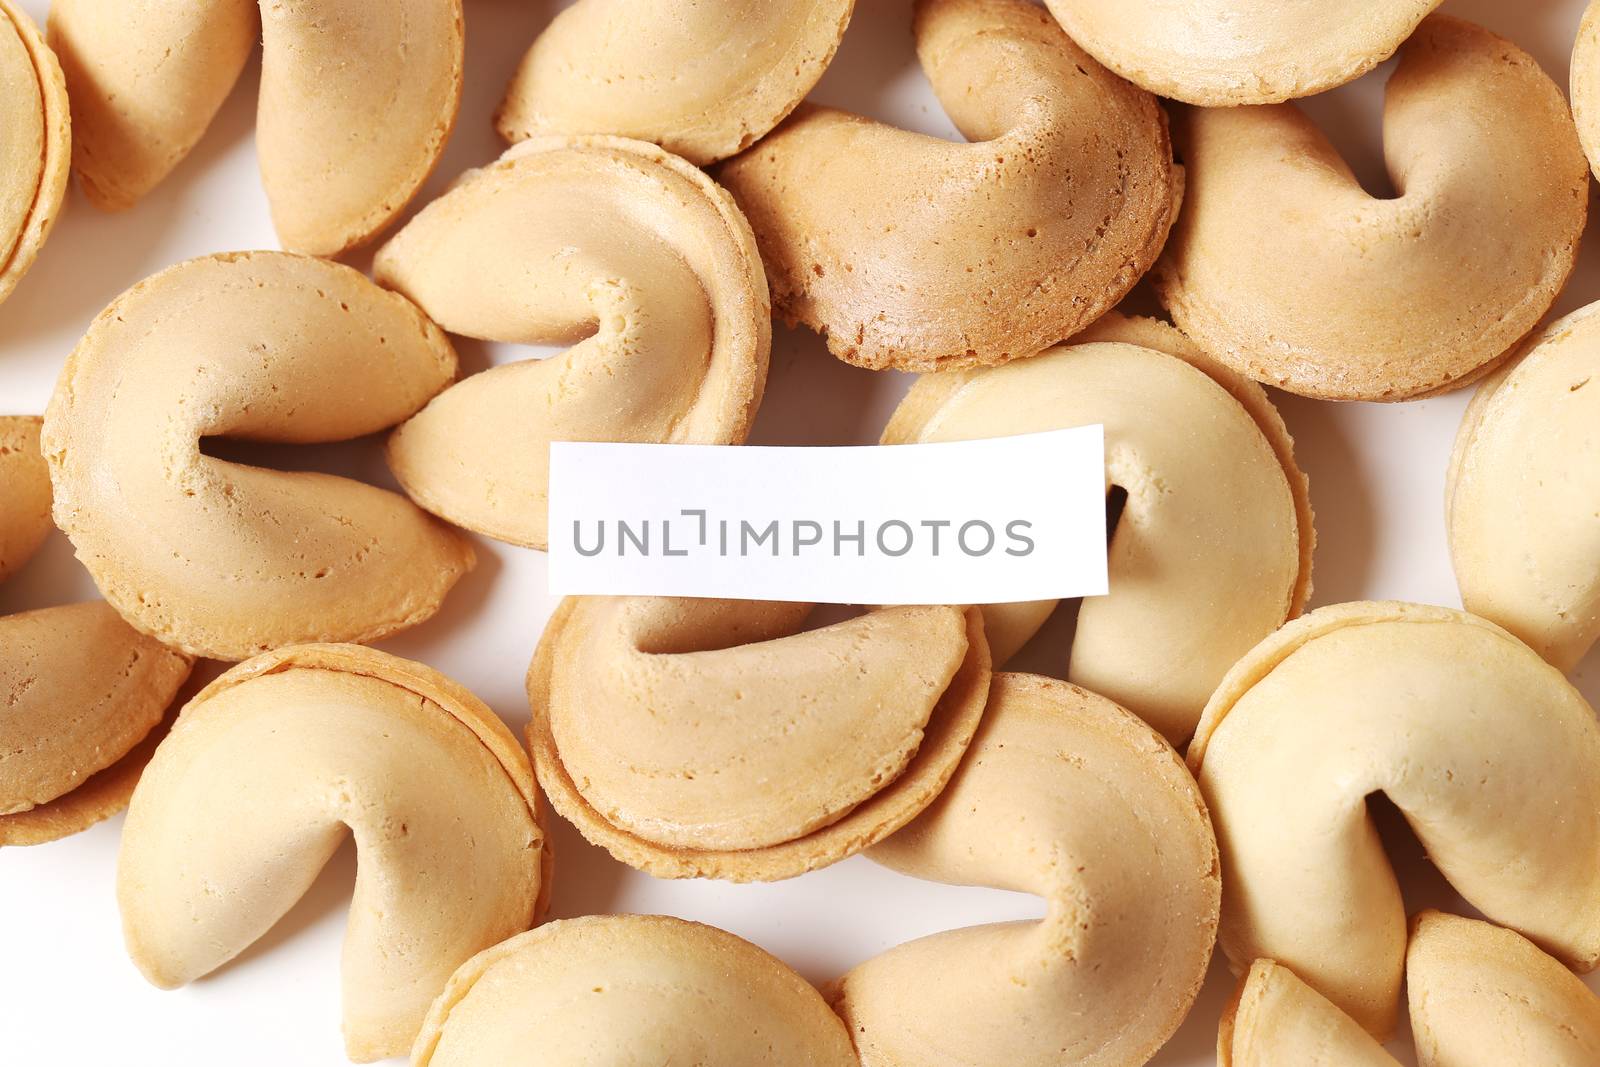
(81, 692)
(35, 144)
(1212, 551)
(1524, 491)
(1483, 996)
(710, 738)
(1286, 269)
(1489, 753)
(24, 492)
(222, 559)
(357, 100)
(1222, 53)
(630, 254)
(615, 990)
(1276, 1020)
(1480, 995)
(702, 78)
(270, 768)
(1066, 796)
(908, 251)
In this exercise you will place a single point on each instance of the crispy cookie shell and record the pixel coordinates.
(1276, 1020)
(1482, 996)
(259, 782)
(702, 78)
(1489, 753)
(634, 257)
(357, 100)
(81, 697)
(1285, 268)
(1523, 492)
(1213, 548)
(1585, 84)
(1222, 53)
(24, 492)
(35, 144)
(222, 559)
(1067, 796)
(625, 990)
(710, 738)
(911, 252)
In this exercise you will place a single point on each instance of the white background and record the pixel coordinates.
(68, 994)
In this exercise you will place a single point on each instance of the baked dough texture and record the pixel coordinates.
(1282, 266)
(1213, 548)
(1069, 797)
(1222, 53)
(266, 772)
(702, 78)
(635, 258)
(1585, 84)
(1524, 488)
(1482, 996)
(1276, 1020)
(357, 100)
(80, 693)
(911, 252)
(222, 559)
(35, 144)
(24, 492)
(712, 738)
(1489, 753)
(625, 990)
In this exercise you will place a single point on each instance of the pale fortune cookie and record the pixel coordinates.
(266, 773)
(357, 100)
(1212, 550)
(712, 738)
(638, 260)
(1489, 753)
(702, 78)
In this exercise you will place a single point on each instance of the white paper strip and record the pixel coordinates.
(963, 522)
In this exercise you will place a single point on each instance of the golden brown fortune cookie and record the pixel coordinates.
(911, 252)
(267, 772)
(712, 738)
(701, 78)
(627, 253)
(1524, 489)
(357, 100)
(1286, 269)
(1489, 753)
(629, 989)
(1222, 53)
(1069, 797)
(1212, 550)
(223, 559)
(35, 144)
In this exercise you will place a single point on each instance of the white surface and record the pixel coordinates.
(948, 522)
(68, 995)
